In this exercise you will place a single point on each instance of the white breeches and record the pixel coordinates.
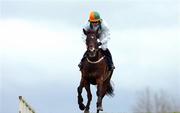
(104, 46)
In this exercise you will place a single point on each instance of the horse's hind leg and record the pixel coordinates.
(89, 96)
(80, 99)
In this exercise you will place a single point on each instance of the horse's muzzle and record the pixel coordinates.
(91, 49)
(92, 52)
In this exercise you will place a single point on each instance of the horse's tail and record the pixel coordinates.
(110, 89)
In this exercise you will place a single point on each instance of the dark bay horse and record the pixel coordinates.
(95, 72)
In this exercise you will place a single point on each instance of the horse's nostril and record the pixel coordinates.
(91, 46)
(91, 49)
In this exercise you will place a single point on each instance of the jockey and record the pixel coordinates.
(94, 23)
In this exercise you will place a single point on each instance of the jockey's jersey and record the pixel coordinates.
(102, 27)
(103, 32)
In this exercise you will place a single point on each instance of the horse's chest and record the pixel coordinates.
(91, 77)
(92, 74)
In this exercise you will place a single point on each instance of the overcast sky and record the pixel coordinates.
(41, 46)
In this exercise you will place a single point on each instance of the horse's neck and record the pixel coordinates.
(100, 54)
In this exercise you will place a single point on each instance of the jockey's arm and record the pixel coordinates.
(83, 37)
(86, 27)
(105, 36)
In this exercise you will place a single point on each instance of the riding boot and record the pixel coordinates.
(80, 65)
(109, 59)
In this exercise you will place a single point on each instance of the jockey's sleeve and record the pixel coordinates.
(105, 35)
(86, 27)
(83, 37)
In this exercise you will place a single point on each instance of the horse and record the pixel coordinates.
(94, 72)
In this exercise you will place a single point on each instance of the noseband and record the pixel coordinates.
(95, 62)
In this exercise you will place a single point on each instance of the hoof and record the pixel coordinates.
(86, 111)
(99, 108)
(81, 107)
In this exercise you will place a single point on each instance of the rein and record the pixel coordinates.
(95, 62)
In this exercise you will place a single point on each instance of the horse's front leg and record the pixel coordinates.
(80, 98)
(99, 94)
(89, 96)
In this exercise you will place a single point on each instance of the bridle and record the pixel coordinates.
(95, 62)
(93, 48)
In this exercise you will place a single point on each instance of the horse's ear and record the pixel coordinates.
(84, 31)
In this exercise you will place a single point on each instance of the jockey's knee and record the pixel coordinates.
(104, 47)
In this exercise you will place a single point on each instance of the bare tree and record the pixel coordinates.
(159, 102)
